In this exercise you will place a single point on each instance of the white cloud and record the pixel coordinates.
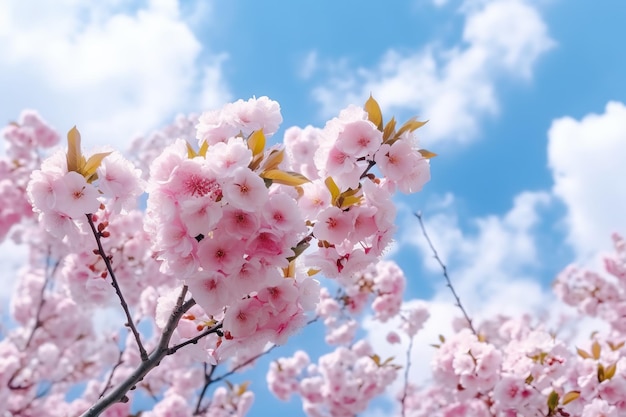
(453, 88)
(112, 71)
(309, 65)
(587, 161)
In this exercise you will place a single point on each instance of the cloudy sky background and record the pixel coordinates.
(525, 100)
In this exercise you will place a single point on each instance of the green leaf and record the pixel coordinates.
(373, 113)
(284, 177)
(256, 142)
(553, 401)
(74, 154)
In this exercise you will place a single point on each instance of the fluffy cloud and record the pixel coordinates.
(453, 88)
(489, 266)
(113, 71)
(587, 161)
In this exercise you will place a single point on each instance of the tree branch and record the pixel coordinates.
(445, 274)
(129, 320)
(161, 351)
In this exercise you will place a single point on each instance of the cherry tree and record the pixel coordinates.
(209, 247)
(221, 264)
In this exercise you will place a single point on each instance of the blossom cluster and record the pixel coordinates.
(25, 139)
(517, 367)
(233, 218)
(224, 260)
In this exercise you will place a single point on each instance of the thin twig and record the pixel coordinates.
(241, 365)
(215, 329)
(110, 378)
(207, 382)
(129, 320)
(445, 273)
(42, 299)
(406, 376)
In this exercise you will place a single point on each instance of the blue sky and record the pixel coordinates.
(525, 100)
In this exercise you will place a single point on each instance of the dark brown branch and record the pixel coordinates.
(445, 274)
(118, 394)
(129, 320)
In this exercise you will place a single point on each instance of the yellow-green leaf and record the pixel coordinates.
(332, 187)
(191, 153)
(256, 142)
(274, 159)
(442, 339)
(427, 154)
(92, 165)
(350, 201)
(312, 272)
(388, 360)
(373, 113)
(570, 396)
(284, 177)
(609, 372)
(74, 153)
(553, 401)
(411, 125)
(596, 349)
(203, 149)
(614, 346)
(390, 127)
(583, 354)
(243, 388)
(376, 359)
(601, 374)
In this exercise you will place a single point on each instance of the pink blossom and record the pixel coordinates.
(246, 190)
(333, 225)
(220, 254)
(359, 138)
(211, 291)
(242, 318)
(239, 223)
(120, 181)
